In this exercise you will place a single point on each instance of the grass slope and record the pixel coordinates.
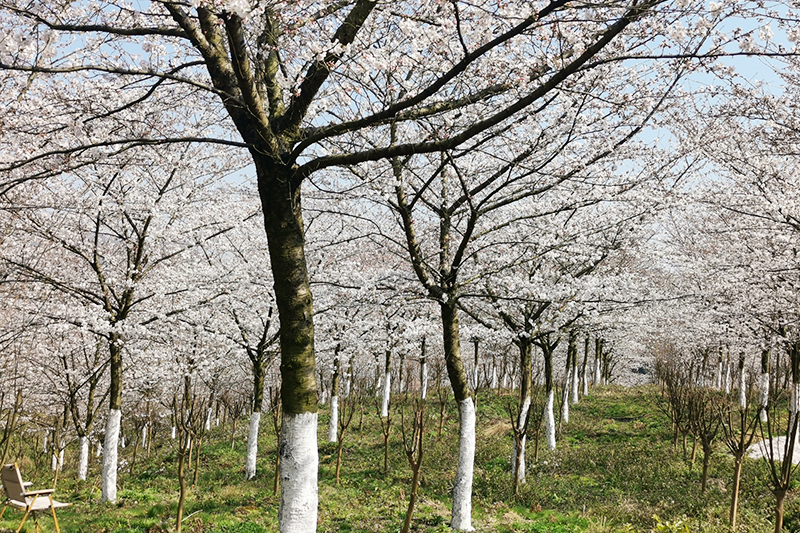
(614, 469)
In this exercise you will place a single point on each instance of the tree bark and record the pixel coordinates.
(109, 482)
(526, 384)
(333, 427)
(387, 384)
(462, 491)
(549, 415)
(283, 223)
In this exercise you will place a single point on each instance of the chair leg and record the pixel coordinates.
(55, 520)
(3, 511)
(24, 518)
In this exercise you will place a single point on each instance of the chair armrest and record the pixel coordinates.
(40, 492)
(26, 484)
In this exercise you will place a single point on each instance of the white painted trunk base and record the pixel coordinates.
(462, 491)
(83, 459)
(719, 376)
(252, 445)
(523, 413)
(387, 391)
(550, 421)
(575, 384)
(99, 449)
(423, 372)
(743, 389)
(109, 489)
(585, 382)
(494, 378)
(565, 402)
(727, 379)
(298, 471)
(763, 399)
(144, 436)
(597, 376)
(334, 425)
(174, 433)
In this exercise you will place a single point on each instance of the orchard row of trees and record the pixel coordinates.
(432, 172)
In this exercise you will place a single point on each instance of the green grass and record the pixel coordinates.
(614, 469)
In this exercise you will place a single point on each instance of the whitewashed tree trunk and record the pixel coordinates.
(727, 377)
(334, 425)
(763, 399)
(575, 386)
(174, 433)
(505, 380)
(209, 415)
(565, 398)
(494, 377)
(743, 388)
(44, 443)
(252, 445)
(550, 421)
(144, 436)
(109, 483)
(99, 449)
(462, 491)
(83, 458)
(423, 377)
(54, 461)
(523, 414)
(387, 392)
(298, 472)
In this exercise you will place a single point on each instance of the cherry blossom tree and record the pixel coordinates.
(300, 86)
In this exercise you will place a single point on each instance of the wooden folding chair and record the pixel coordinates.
(30, 501)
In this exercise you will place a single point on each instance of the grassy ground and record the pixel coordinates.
(614, 469)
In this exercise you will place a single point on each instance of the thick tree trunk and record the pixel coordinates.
(550, 420)
(549, 415)
(462, 491)
(475, 365)
(298, 469)
(83, 458)
(728, 375)
(598, 355)
(252, 445)
(109, 489)
(333, 427)
(526, 384)
(109, 482)
(742, 383)
(565, 397)
(255, 416)
(387, 384)
(584, 375)
(283, 222)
